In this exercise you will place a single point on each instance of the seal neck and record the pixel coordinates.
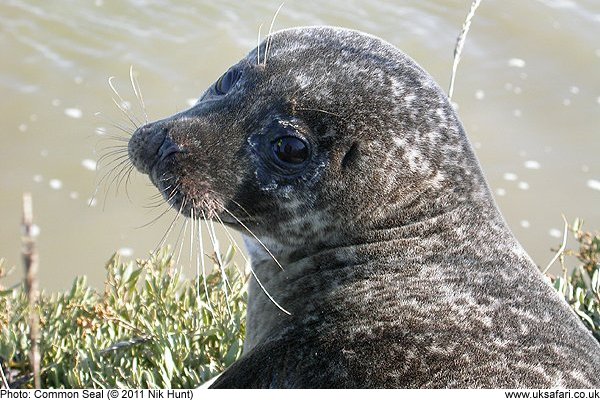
(467, 239)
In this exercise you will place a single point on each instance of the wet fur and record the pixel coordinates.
(399, 270)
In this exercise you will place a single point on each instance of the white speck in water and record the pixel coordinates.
(454, 105)
(92, 202)
(574, 89)
(55, 184)
(509, 176)
(479, 94)
(517, 90)
(89, 164)
(501, 192)
(566, 102)
(508, 86)
(523, 75)
(74, 195)
(559, 3)
(78, 80)
(73, 112)
(28, 89)
(517, 113)
(516, 62)
(22, 127)
(35, 230)
(126, 105)
(33, 117)
(531, 164)
(44, 153)
(522, 153)
(597, 53)
(555, 233)
(55, 102)
(100, 130)
(477, 145)
(585, 168)
(598, 99)
(125, 251)
(191, 102)
(38, 178)
(593, 184)
(99, 3)
(525, 224)
(523, 185)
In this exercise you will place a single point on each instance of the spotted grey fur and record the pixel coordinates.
(399, 270)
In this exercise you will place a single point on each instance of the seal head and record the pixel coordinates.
(345, 159)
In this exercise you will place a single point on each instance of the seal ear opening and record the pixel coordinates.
(351, 156)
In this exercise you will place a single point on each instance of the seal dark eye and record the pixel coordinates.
(290, 150)
(226, 81)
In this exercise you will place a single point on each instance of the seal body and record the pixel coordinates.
(346, 161)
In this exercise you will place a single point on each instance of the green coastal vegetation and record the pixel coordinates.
(152, 327)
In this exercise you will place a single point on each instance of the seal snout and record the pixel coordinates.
(151, 144)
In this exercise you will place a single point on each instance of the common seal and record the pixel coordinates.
(347, 161)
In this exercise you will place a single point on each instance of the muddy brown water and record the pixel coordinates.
(528, 92)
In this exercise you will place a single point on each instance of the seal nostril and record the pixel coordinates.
(167, 148)
(151, 144)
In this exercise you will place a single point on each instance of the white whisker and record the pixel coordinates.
(192, 229)
(255, 237)
(138, 92)
(122, 128)
(167, 209)
(319, 110)
(200, 262)
(252, 269)
(169, 229)
(120, 106)
(258, 45)
(215, 243)
(269, 40)
(231, 240)
(219, 256)
(182, 235)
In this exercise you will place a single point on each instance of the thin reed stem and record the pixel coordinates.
(561, 249)
(460, 43)
(3, 379)
(31, 264)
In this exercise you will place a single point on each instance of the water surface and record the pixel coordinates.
(528, 92)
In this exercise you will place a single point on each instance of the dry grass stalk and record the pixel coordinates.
(460, 43)
(561, 249)
(3, 379)
(31, 262)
